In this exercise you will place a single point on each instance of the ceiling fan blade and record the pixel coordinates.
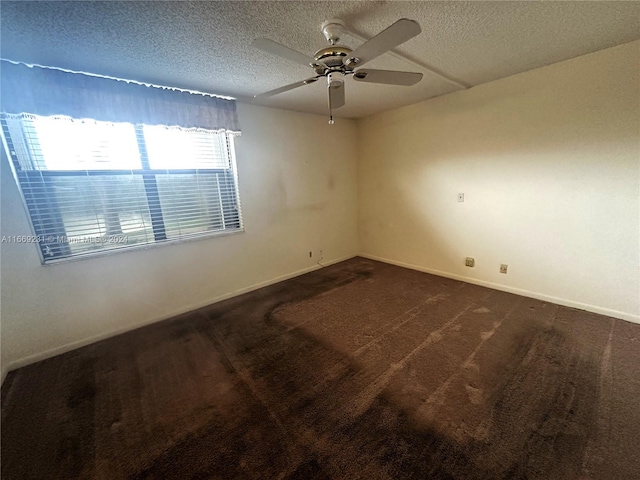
(394, 35)
(390, 77)
(291, 86)
(336, 95)
(280, 50)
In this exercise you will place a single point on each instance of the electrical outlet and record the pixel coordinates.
(321, 255)
(503, 268)
(470, 262)
(461, 197)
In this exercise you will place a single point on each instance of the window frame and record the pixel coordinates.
(152, 197)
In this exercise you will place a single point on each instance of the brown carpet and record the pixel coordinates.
(359, 370)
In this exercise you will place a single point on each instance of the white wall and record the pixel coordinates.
(295, 198)
(549, 162)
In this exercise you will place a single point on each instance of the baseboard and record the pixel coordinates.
(87, 341)
(518, 291)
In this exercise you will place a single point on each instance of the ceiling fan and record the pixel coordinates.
(337, 61)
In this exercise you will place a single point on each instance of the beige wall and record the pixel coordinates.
(549, 162)
(294, 199)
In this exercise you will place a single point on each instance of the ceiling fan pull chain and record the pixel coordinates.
(331, 122)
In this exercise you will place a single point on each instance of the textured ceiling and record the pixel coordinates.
(206, 45)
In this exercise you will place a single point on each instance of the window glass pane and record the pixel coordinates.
(99, 212)
(176, 148)
(68, 144)
(191, 204)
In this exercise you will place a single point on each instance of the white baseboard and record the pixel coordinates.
(518, 291)
(37, 357)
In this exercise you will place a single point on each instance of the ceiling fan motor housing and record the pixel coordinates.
(332, 56)
(336, 55)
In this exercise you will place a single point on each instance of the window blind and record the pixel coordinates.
(92, 186)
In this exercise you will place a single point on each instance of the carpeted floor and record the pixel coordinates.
(360, 370)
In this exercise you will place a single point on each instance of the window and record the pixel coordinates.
(93, 186)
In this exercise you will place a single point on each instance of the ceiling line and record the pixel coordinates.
(418, 64)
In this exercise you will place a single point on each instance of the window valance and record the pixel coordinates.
(48, 92)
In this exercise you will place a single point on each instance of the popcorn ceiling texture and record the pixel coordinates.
(206, 45)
